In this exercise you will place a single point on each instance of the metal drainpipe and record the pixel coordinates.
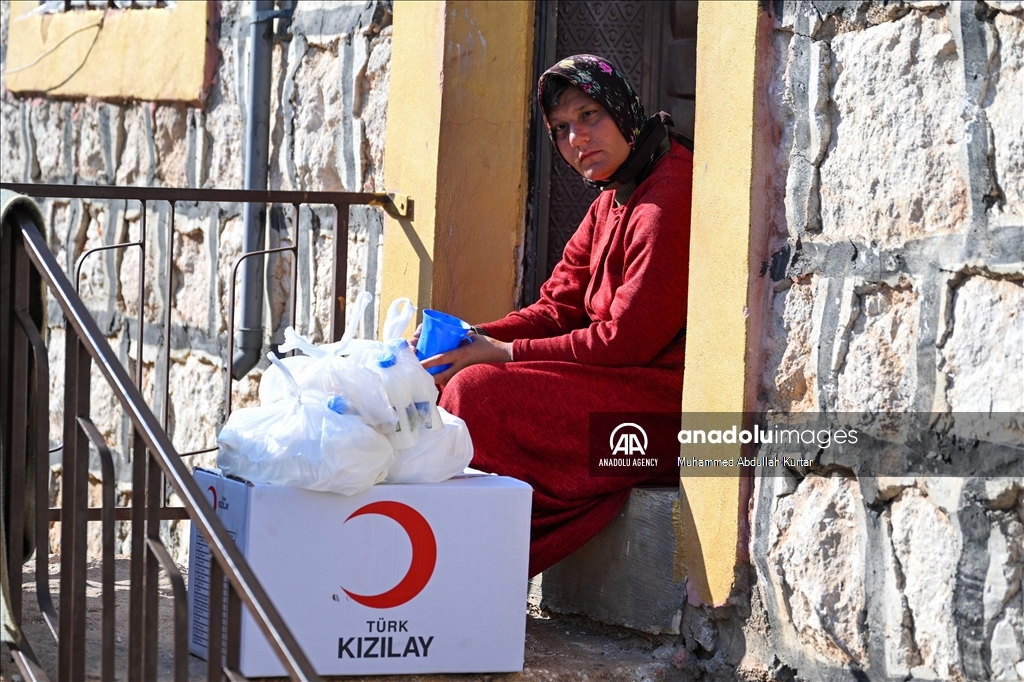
(257, 134)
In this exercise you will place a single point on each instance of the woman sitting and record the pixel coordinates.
(608, 331)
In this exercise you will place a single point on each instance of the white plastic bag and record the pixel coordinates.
(274, 386)
(400, 314)
(332, 374)
(362, 352)
(359, 385)
(293, 341)
(348, 368)
(301, 442)
(396, 397)
(439, 454)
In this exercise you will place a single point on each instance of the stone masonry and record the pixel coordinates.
(899, 286)
(897, 236)
(329, 106)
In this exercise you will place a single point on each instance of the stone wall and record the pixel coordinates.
(898, 211)
(329, 99)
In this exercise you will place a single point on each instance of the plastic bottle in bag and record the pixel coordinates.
(396, 385)
(338, 404)
(421, 384)
(443, 452)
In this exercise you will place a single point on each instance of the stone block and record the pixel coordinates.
(229, 248)
(245, 393)
(900, 651)
(48, 125)
(1007, 646)
(97, 285)
(170, 136)
(137, 161)
(317, 144)
(105, 412)
(323, 22)
(224, 126)
(802, 17)
(807, 96)
(374, 109)
(803, 203)
(90, 153)
(197, 402)
(982, 360)
(793, 377)
(320, 319)
(1002, 108)
(129, 271)
(1003, 583)
(1006, 5)
(55, 358)
(893, 171)
(878, 372)
(279, 270)
(12, 152)
(817, 558)
(927, 547)
(623, 576)
(192, 272)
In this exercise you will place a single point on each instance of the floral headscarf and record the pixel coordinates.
(599, 79)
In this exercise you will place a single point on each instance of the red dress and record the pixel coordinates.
(606, 335)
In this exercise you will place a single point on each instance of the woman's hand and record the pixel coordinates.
(474, 350)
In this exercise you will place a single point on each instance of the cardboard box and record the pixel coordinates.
(425, 578)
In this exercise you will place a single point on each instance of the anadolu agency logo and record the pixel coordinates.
(635, 445)
(628, 446)
(628, 440)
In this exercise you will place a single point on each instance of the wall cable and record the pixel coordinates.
(97, 25)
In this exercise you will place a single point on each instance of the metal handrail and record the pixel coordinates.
(107, 466)
(86, 344)
(393, 202)
(41, 362)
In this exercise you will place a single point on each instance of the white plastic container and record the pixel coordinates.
(396, 386)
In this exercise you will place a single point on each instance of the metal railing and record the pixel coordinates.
(24, 427)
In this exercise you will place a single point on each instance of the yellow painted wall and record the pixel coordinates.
(717, 327)
(150, 54)
(458, 122)
(411, 149)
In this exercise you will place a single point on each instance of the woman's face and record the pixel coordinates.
(586, 135)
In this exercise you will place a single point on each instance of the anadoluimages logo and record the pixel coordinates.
(424, 554)
(625, 440)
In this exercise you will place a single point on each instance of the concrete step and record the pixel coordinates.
(624, 575)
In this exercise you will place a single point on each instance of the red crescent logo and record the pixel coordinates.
(424, 554)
